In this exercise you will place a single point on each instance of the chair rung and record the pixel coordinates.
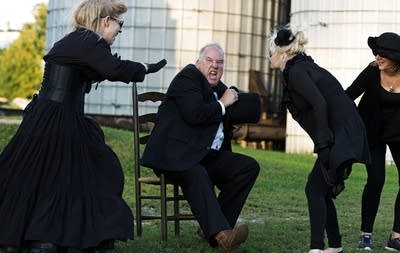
(182, 217)
(170, 217)
(147, 217)
(149, 197)
(180, 197)
(150, 180)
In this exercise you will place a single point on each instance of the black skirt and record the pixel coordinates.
(60, 182)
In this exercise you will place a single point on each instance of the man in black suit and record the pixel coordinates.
(190, 143)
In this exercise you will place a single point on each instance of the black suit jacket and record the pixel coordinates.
(187, 121)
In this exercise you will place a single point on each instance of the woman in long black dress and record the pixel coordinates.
(60, 184)
(319, 104)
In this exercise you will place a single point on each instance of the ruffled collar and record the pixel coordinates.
(287, 100)
(298, 58)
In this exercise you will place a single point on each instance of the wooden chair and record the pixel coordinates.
(148, 177)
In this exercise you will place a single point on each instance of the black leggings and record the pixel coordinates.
(373, 188)
(322, 211)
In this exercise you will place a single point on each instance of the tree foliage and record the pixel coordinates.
(21, 64)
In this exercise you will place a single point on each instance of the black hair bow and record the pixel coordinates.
(284, 37)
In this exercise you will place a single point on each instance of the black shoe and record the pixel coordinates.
(8, 249)
(43, 247)
(106, 246)
(104, 251)
(393, 244)
(74, 250)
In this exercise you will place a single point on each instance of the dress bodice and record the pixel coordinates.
(64, 84)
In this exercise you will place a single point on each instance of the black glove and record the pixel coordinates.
(117, 56)
(154, 67)
(323, 156)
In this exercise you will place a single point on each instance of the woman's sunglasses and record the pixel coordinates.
(120, 21)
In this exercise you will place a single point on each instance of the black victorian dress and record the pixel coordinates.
(59, 181)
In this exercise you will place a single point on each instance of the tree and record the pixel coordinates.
(21, 65)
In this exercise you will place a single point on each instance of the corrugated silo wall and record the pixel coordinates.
(175, 30)
(337, 32)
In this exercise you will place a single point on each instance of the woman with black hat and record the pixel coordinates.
(379, 107)
(319, 104)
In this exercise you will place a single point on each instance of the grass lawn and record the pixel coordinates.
(276, 210)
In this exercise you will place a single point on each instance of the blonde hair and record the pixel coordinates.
(296, 45)
(89, 13)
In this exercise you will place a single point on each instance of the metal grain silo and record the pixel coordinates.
(175, 30)
(337, 32)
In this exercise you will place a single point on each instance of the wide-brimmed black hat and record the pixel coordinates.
(386, 45)
(246, 110)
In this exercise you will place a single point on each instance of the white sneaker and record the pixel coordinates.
(333, 250)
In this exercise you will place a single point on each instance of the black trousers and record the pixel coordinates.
(322, 211)
(233, 174)
(373, 188)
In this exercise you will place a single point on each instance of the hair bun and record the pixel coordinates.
(284, 37)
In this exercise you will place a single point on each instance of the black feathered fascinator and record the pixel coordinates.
(284, 37)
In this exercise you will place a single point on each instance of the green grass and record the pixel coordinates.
(276, 210)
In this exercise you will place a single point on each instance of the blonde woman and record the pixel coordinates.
(319, 104)
(60, 184)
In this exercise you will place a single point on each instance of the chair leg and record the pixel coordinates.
(139, 227)
(164, 218)
(176, 209)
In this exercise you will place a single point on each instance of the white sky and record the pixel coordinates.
(17, 12)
